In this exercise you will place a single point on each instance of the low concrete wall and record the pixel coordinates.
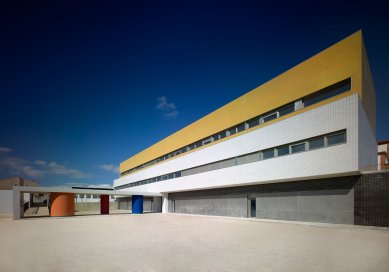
(6, 197)
(94, 206)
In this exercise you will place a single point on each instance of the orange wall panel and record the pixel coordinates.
(61, 204)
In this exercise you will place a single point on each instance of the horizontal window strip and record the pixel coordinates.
(322, 141)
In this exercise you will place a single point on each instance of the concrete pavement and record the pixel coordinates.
(157, 242)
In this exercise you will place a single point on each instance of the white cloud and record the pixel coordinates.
(39, 162)
(171, 115)
(169, 109)
(5, 149)
(60, 169)
(109, 167)
(17, 166)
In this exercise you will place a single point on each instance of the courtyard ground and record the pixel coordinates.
(157, 242)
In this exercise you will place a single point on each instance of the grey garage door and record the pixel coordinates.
(212, 205)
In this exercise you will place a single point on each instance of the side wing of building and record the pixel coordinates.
(314, 121)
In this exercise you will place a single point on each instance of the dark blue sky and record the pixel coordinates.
(80, 82)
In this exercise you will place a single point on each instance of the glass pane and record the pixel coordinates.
(336, 139)
(228, 163)
(270, 117)
(232, 131)
(222, 134)
(283, 150)
(177, 174)
(215, 166)
(193, 171)
(215, 137)
(242, 160)
(316, 143)
(328, 92)
(286, 110)
(253, 122)
(207, 141)
(198, 144)
(267, 154)
(253, 157)
(298, 148)
(185, 172)
(240, 127)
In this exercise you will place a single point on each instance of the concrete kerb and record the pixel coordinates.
(311, 224)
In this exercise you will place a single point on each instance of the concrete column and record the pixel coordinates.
(61, 204)
(137, 204)
(18, 203)
(298, 105)
(165, 203)
(104, 204)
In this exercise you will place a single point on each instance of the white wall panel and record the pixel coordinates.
(311, 164)
(341, 114)
(367, 143)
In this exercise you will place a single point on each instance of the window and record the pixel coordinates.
(199, 144)
(232, 131)
(240, 127)
(207, 141)
(192, 146)
(177, 174)
(297, 148)
(228, 163)
(215, 166)
(215, 137)
(316, 143)
(285, 110)
(253, 157)
(88, 196)
(222, 134)
(95, 196)
(283, 150)
(203, 168)
(328, 92)
(193, 171)
(267, 154)
(185, 173)
(253, 122)
(336, 139)
(270, 117)
(242, 160)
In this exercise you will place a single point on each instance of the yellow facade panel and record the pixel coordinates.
(336, 63)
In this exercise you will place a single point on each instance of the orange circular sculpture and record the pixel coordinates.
(61, 204)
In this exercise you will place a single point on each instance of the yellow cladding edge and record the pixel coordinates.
(340, 61)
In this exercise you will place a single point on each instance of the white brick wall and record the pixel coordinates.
(341, 114)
